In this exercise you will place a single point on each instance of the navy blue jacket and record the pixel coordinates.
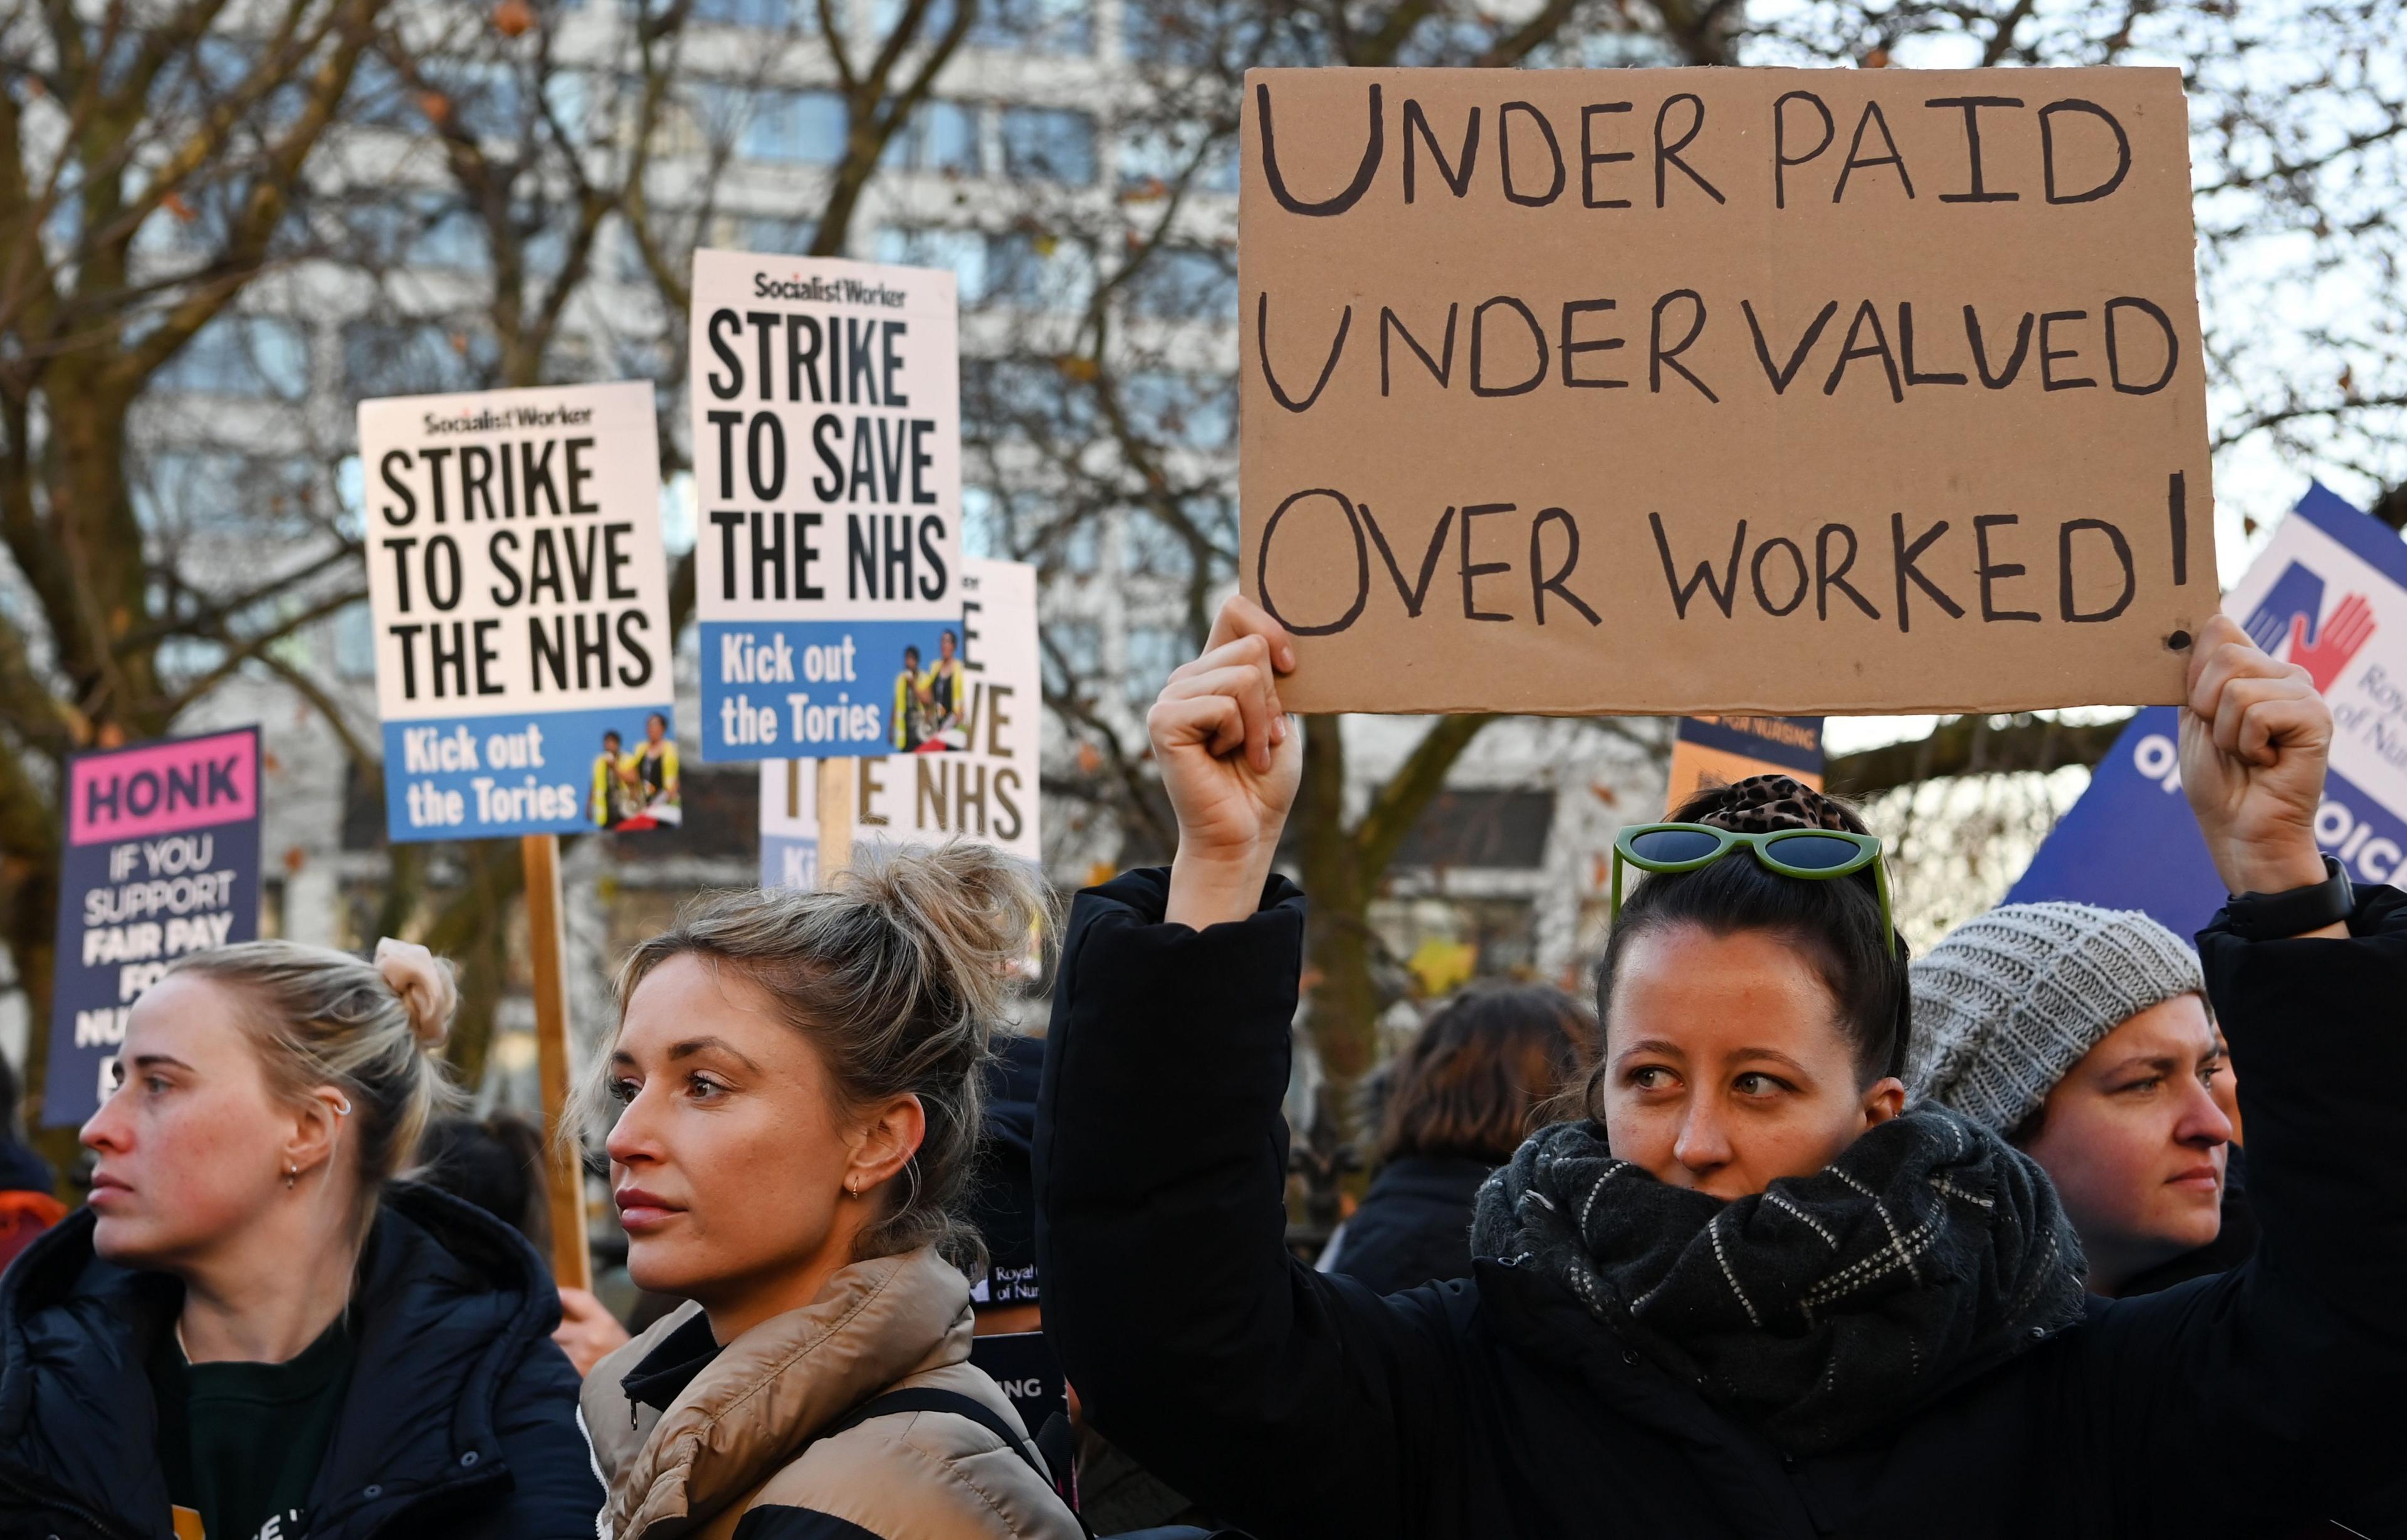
(461, 1421)
(1305, 1406)
(1415, 1223)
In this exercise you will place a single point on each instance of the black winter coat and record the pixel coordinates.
(461, 1421)
(1305, 1406)
(1415, 1223)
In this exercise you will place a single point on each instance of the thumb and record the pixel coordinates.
(2298, 633)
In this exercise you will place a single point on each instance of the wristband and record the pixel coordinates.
(2273, 917)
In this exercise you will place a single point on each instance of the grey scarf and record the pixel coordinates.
(1821, 1308)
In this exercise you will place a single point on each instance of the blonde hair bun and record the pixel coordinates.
(423, 981)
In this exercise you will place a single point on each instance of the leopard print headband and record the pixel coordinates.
(1761, 803)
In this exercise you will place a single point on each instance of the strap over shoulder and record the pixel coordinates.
(927, 1399)
(896, 1402)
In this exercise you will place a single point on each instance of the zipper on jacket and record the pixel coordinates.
(69, 1505)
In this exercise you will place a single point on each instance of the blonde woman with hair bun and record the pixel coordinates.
(796, 1080)
(256, 1329)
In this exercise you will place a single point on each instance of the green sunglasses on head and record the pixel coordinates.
(1812, 854)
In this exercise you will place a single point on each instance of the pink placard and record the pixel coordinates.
(161, 787)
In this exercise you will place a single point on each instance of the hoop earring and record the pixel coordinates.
(342, 1105)
(849, 1190)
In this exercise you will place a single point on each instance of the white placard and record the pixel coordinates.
(984, 787)
(828, 486)
(520, 600)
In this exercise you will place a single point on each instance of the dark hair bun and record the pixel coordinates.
(1761, 804)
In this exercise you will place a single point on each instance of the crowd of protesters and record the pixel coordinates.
(1795, 1235)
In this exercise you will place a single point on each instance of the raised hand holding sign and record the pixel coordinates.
(2255, 740)
(1231, 761)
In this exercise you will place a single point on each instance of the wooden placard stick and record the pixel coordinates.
(572, 1261)
(837, 791)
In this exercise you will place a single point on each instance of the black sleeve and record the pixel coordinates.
(1276, 1399)
(777, 1522)
(555, 1491)
(2283, 1375)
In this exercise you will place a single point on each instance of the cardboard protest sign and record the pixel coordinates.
(1724, 750)
(2329, 593)
(983, 788)
(1762, 390)
(162, 860)
(520, 594)
(827, 469)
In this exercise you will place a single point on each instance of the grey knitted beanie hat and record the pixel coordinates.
(2011, 1001)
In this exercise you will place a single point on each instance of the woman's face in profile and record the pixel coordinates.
(189, 1143)
(2136, 1143)
(727, 1159)
(1726, 1065)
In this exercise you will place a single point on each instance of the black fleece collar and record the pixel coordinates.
(671, 1366)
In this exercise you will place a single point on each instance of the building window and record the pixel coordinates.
(1074, 654)
(379, 97)
(775, 14)
(1018, 398)
(941, 137)
(795, 128)
(1028, 26)
(1082, 549)
(1215, 33)
(1031, 270)
(415, 358)
(1155, 157)
(784, 237)
(1151, 548)
(1035, 26)
(1049, 144)
(483, 98)
(961, 252)
(1186, 283)
(1500, 829)
(451, 235)
(185, 491)
(1153, 651)
(257, 358)
(480, 96)
(418, 230)
(986, 524)
(355, 642)
(1155, 32)
(1196, 412)
(1038, 271)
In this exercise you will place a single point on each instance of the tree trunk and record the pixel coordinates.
(1966, 745)
(1342, 1000)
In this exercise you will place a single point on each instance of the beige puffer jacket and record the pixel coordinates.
(736, 1439)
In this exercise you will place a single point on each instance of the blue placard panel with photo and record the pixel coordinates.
(532, 773)
(828, 689)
